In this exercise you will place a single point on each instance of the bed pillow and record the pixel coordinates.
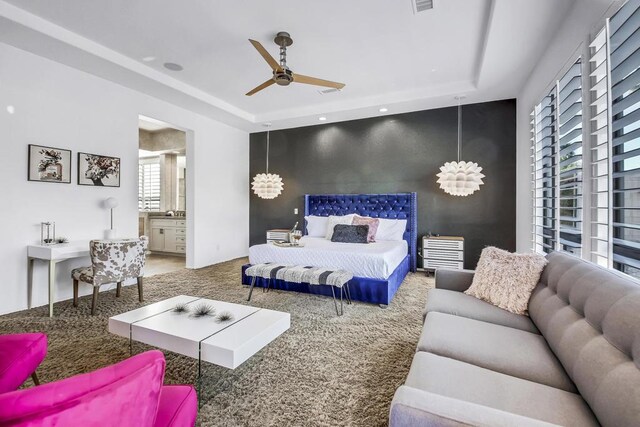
(343, 233)
(371, 222)
(391, 229)
(335, 220)
(506, 279)
(316, 225)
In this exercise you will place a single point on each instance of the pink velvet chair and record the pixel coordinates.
(20, 356)
(129, 393)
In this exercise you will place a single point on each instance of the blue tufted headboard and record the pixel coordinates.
(393, 205)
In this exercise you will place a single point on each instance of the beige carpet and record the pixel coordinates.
(324, 371)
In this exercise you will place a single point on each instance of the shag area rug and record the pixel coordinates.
(324, 371)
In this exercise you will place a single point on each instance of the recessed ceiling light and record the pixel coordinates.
(149, 58)
(433, 70)
(383, 110)
(11, 109)
(322, 119)
(173, 66)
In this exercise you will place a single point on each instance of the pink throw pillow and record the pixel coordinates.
(371, 222)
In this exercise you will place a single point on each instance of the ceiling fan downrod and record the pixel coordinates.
(284, 40)
(283, 57)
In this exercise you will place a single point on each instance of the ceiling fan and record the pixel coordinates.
(282, 75)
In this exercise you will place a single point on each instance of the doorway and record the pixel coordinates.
(162, 197)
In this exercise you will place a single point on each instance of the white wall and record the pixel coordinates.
(59, 106)
(572, 40)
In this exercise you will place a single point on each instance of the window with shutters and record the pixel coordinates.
(615, 125)
(600, 157)
(557, 166)
(624, 54)
(569, 113)
(149, 184)
(545, 227)
(612, 184)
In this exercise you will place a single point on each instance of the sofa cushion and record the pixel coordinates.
(459, 304)
(412, 407)
(590, 317)
(499, 348)
(458, 380)
(453, 280)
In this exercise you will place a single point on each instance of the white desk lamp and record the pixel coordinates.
(111, 203)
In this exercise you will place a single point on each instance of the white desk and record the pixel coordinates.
(53, 254)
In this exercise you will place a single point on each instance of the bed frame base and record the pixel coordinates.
(375, 291)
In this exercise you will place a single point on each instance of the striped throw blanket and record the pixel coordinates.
(300, 274)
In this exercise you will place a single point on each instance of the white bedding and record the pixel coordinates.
(374, 260)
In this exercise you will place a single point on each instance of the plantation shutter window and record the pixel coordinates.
(557, 166)
(612, 183)
(149, 185)
(569, 115)
(601, 195)
(544, 156)
(624, 53)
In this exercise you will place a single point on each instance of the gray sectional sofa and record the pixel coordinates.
(575, 361)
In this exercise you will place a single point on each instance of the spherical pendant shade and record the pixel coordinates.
(267, 185)
(460, 178)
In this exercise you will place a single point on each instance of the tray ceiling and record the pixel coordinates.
(385, 53)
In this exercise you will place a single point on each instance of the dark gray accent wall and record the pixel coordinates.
(399, 153)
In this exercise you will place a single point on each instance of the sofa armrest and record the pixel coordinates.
(412, 407)
(131, 386)
(453, 280)
(178, 406)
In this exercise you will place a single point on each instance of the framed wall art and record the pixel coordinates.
(49, 164)
(98, 170)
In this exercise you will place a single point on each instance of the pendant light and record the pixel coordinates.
(267, 185)
(460, 178)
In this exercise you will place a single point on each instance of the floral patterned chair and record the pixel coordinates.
(113, 261)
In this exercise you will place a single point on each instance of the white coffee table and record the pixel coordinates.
(206, 339)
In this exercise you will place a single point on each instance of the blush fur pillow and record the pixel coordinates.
(506, 279)
(371, 222)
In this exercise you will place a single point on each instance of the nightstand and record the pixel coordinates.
(443, 252)
(278, 235)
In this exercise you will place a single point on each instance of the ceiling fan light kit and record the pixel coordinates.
(282, 75)
(460, 178)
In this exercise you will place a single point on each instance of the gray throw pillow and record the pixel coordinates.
(350, 233)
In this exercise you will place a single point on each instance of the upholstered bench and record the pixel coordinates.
(313, 276)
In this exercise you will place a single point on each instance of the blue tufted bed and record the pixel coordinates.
(391, 206)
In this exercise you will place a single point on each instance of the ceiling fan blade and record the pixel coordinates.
(262, 86)
(267, 57)
(299, 78)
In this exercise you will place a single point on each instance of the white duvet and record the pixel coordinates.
(374, 260)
